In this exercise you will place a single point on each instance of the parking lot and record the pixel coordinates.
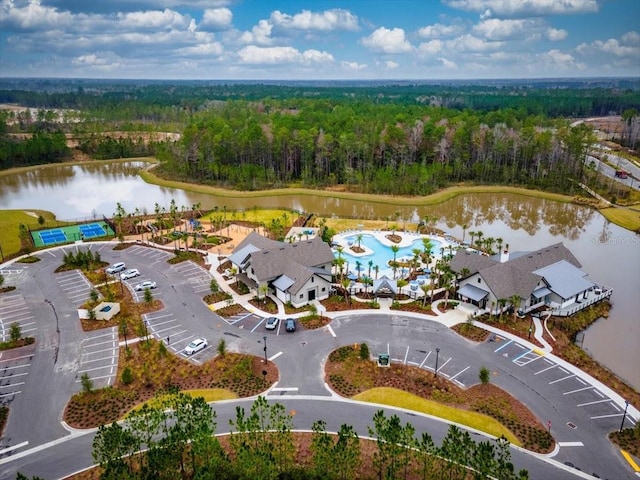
(14, 371)
(99, 357)
(14, 309)
(75, 286)
(589, 404)
(198, 277)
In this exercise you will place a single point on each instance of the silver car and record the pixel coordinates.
(127, 274)
(144, 285)
(195, 346)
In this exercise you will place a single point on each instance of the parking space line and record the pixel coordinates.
(173, 320)
(16, 358)
(256, 327)
(442, 366)
(241, 318)
(84, 362)
(581, 381)
(96, 378)
(599, 394)
(461, 371)
(4, 369)
(425, 359)
(502, 346)
(12, 385)
(606, 416)
(538, 356)
(548, 368)
(594, 402)
(93, 352)
(561, 379)
(13, 375)
(570, 444)
(578, 390)
(11, 393)
(406, 354)
(154, 317)
(273, 357)
(521, 355)
(564, 370)
(93, 369)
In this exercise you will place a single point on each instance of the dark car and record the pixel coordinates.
(290, 325)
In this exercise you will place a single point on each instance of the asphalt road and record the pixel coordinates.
(36, 443)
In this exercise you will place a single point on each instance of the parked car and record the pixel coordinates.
(272, 323)
(127, 274)
(144, 285)
(290, 325)
(116, 267)
(195, 346)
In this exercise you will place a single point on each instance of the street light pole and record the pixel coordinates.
(265, 349)
(435, 372)
(624, 415)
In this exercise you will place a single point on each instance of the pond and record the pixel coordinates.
(608, 253)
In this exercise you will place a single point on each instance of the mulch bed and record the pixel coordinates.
(154, 369)
(349, 375)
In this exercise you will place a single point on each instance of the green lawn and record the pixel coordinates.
(10, 221)
(401, 399)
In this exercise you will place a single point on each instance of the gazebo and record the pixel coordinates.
(385, 287)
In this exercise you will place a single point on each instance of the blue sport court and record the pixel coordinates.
(71, 233)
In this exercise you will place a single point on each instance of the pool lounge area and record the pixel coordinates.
(377, 252)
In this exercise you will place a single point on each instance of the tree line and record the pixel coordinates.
(374, 148)
(177, 435)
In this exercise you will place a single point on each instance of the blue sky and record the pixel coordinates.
(319, 39)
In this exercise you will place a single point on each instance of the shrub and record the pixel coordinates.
(87, 383)
(485, 375)
(15, 333)
(364, 351)
(127, 376)
(222, 347)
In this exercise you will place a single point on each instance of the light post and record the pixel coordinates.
(435, 372)
(265, 349)
(624, 415)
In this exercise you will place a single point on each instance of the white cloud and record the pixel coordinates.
(439, 30)
(495, 29)
(213, 49)
(32, 16)
(556, 35)
(259, 34)
(254, 55)
(354, 66)
(431, 48)
(631, 38)
(557, 60)
(448, 64)
(390, 64)
(152, 20)
(471, 43)
(387, 41)
(524, 8)
(217, 18)
(329, 20)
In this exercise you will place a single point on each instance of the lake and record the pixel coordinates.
(610, 254)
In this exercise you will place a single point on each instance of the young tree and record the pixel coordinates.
(87, 383)
(148, 296)
(15, 332)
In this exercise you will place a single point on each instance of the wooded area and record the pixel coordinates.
(407, 139)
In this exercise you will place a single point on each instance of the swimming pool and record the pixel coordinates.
(382, 253)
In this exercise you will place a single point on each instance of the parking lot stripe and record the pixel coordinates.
(548, 368)
(502, 346)
(17, 366)
(578, 390)
(561, 379)
(461, 371)
(13, 375)
(606, 416)
(521, 355)
(12, 385)
(241, 318)
(16, 358)
(406, 354)
(93, 369)
(425, 359)
(442, 366)
(84, 362)
(96, 378)
(333, 334)
(12, 393)
(631, 461)
(570, 444)
(599, 394)
(593, 403)
(273, 357)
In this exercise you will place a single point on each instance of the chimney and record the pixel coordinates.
(504, 256)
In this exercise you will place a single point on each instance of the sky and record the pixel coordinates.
(319, 39)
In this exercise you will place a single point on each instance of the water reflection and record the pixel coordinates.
(607, 252)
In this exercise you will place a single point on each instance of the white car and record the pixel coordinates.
(195, 346)
(144, 285)
(272, 323)
(127, 274)
(116, 267)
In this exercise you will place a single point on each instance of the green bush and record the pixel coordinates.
(127, 376)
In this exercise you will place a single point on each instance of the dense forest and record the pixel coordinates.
(407, 138)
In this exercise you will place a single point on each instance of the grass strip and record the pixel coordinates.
(209, 395)
(398, 398)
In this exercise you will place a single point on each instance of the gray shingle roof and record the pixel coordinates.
(545, 256)
(474, 262)
(565, 279)
(505, 281)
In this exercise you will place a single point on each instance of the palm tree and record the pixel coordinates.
(395, 249)
(464, 272)
(472, 234)
(447, 277)
(359, 240)
(427, 246)
(376, 269)
(464, 231)
(425, 288)
(433, 276)
(358, 268)
(401, 284)
(515, 303)
(416, 258)
(499, 243)
(501, 302)
(345, 284)
(370, 266)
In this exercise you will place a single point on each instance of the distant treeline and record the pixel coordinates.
(385, 148)
(41, 147)
(554, 99)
